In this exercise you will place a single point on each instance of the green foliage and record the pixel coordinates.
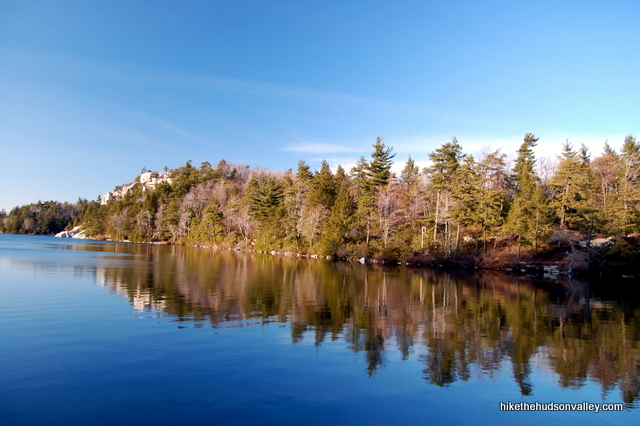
(44, 218)
(410, 173)
(630, 184)
(91, 218)
(322, 188)
(466, 194)
(379, 168)
(183, 178)
(623, 255)
(3, 217)
(494, 187)
(457, 203)
(573, 184)
(208, 229)
(360, 176)
(446, 161)
(304, 172)
(411, 195)
(616, 192)
(337, 230)
(529, 214)
(265, 194)
(444, 176)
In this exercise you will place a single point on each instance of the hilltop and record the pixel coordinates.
(459, 212)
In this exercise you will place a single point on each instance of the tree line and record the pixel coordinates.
(458, 204)
(44, 218)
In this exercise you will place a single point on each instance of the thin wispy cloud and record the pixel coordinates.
(126, 72)
(257, 87)
(169, 125)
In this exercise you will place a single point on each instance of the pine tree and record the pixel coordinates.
(466, 196)
(411, 197)
(379, 168)
(607, 172)
(446, 161)
(183, 178)
(528, 214)
(573, 186)
(323, 187)
(337, 230)
(630, 185)
(341, 178)
(494, 186)
(360, 176)
(304, 172)
(370, 178)
(265, 194)
(296, 201)
(208, 228)
(409, 175)
(291, 209)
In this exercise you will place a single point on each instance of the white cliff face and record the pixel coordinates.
(76, 232)
(148, 181)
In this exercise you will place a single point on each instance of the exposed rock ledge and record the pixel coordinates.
(76, 232)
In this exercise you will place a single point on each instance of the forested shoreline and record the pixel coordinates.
(459, 211)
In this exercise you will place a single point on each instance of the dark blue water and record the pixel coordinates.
(103, 333)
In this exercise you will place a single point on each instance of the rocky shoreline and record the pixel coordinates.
(551, 268)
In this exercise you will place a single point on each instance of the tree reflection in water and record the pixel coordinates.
(456, 323)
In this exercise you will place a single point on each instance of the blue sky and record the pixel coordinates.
(91, 92)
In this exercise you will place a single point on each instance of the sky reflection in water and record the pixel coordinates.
(234, 337)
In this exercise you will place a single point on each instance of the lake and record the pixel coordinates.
(112, 333)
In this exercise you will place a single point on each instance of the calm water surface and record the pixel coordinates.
(103, 333)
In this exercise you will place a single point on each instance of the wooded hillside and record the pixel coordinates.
(460, 204)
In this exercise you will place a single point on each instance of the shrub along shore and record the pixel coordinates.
(575, 215)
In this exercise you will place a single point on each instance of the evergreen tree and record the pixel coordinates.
(442, 173)
(573, 188)
(265, 195)
(630, 185)
(466, 195)
(528, 215)
(341, 178)
(208, 229)
(304, 172)
(296, 200)
(183, 178)
(337, 230)
(409, 175)
(361, 182)
(319, 201)
(495, 185)
(291, 206)
(379, 168)
(323, 187)
(411, 202)
(607, 172)
(369, 177)
(368, 212)
(410, 206)
(360, 176)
